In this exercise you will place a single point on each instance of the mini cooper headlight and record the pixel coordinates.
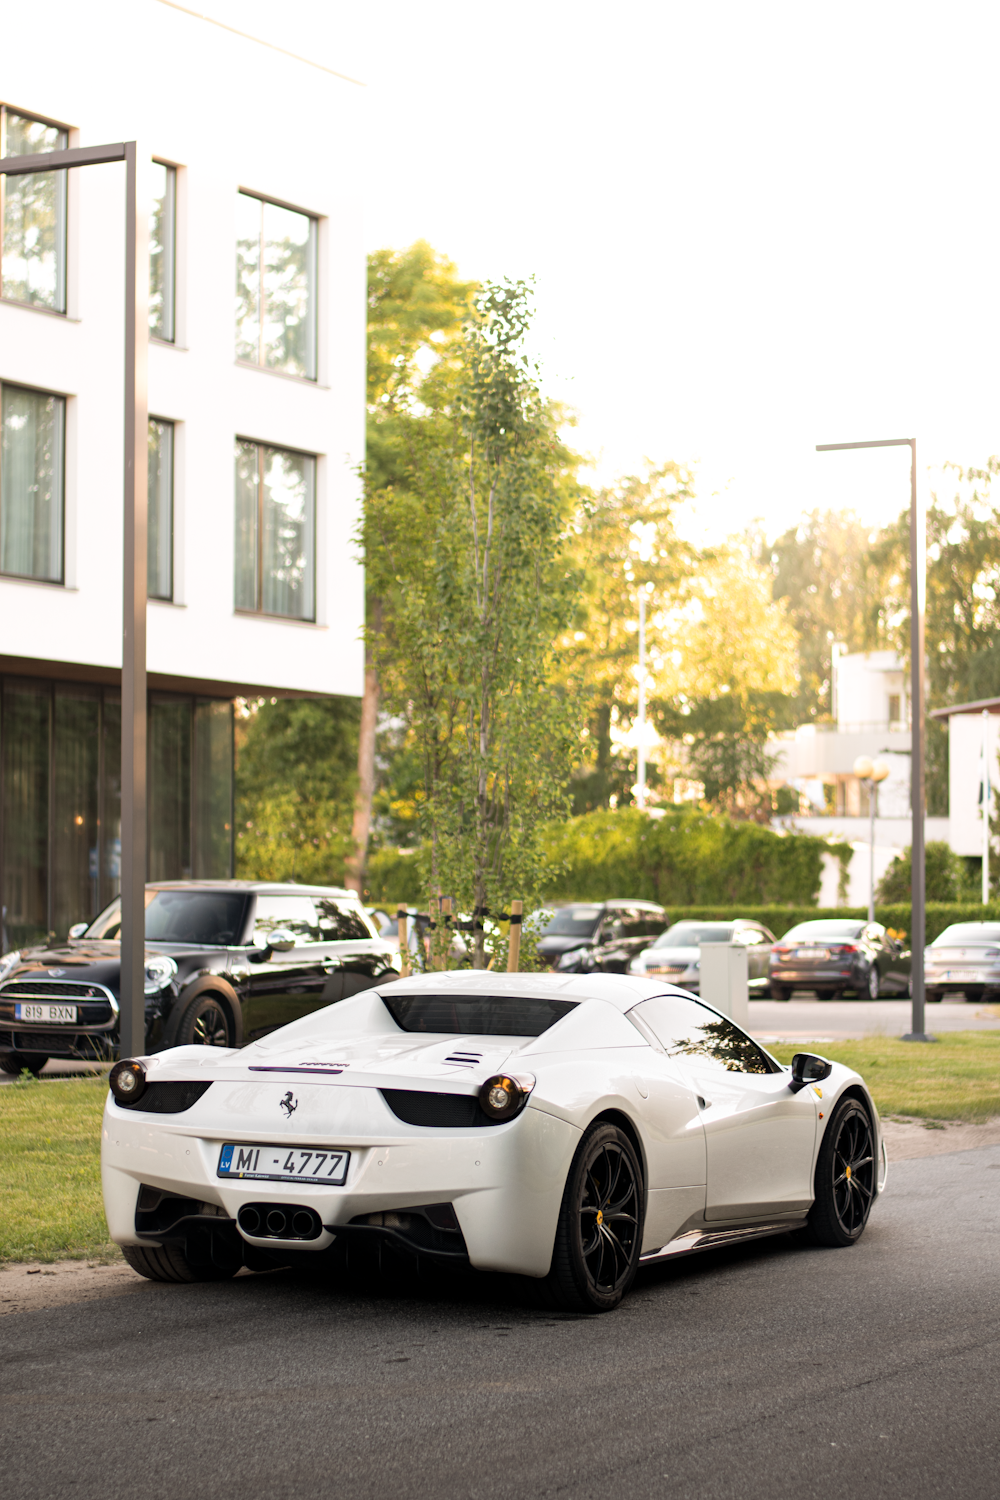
(127, 1081)
(502, 1096)
(159, 972)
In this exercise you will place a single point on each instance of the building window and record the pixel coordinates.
(275, 531)
(31, 483)
(162, 252)
(160, 515)
(275, 287)
(33, 244)
(894, 708)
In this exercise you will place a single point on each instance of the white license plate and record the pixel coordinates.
(812, 953)
(963, 976)
(48, 1013)
(323, 1164)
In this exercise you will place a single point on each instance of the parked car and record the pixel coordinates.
(964, 960)
(676, 954)
(599, 935)
(226, 961)
(831, 956)
(567, 1129)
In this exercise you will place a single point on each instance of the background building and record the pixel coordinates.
(250, 166)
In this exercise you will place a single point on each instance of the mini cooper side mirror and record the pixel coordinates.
(77, 930)
(280, 941)
(808, 1068)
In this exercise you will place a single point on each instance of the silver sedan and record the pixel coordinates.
(964, 960)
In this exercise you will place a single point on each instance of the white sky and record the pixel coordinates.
(753, 227)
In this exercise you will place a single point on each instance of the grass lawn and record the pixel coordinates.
(50, 1171)
(956, 1078)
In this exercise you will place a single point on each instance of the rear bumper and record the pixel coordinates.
(504, 1182)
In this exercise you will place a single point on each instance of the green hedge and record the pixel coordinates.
(685, 858)
(394, 879)
(778, 919)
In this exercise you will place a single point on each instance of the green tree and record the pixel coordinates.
(295, 772)
(466, 553)
(945, 872)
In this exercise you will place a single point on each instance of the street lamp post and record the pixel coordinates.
(873, 772)
(640, 781)
(918, 570)
(132, 1019)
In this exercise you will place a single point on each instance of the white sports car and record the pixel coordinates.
(567, 1128)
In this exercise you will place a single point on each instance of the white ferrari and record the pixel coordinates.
(566, 1128)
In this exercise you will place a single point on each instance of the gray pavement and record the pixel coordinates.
(805, 1017)
(770, 1371)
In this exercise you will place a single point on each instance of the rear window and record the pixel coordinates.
(574, 921)
(967, 932)
(687, 935)
(825, 929)
(476, 1015)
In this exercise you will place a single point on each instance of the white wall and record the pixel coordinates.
(232, 113)
(865, 681)
(965, 746)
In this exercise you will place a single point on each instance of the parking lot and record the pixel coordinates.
(768, 1371)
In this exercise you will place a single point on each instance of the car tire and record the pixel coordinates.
(169, 1263)
(205, 1023)
(846, 1178)
(873, 987)
(593, 1266)
(824, 994)
(933, 997)
(15, 1063)
(780, 992)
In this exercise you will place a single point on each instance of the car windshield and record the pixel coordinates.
(692, 935)
(967, 932)
(476, 1015)
(208, 918)
(820, 930)
(573, 921)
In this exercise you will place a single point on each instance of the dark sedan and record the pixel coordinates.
(600, 936)
(829, 957)
(226, 962)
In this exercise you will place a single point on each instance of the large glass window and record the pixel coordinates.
(275, 287)
(169, 788)
(75, 782)
(31, 483)
(33, 246)
(690, 1032)
(275, 531)
(27, 732)
(160, 517)
(212, 789)
(162, 252)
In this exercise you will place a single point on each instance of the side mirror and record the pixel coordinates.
(280, 941)
(808, 1068)
(77, 930)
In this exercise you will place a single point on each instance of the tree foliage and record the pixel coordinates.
(465, 550)
(945, 873)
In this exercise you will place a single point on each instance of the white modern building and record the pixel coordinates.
(871, 710)
(250, 163)
(973, 769)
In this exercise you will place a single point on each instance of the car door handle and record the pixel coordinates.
(331, 965)
(703, 1103)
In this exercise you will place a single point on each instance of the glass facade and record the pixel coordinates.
(32, 428)
(160, 514)
(33, 244)
(60, 800)
(275, 531)
(275, 287)
(162, 252)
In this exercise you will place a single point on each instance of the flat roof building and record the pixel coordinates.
(250, 165)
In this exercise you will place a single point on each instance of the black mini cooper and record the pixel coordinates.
(226, 961)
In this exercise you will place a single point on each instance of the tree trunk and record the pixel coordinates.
(361, 828)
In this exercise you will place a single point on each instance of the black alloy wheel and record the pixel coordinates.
(204, 1024)
(874, 982)
(846, 1178)
(933, 997)
(599, 1234)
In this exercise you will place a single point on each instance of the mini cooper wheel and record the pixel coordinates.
(204, 1024)
(169, 1263)
(599, 1234)
(846, 1178)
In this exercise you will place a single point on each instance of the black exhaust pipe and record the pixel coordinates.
(276, 1221)
(249, 1219)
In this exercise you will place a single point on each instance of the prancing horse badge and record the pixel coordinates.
(289, 1105)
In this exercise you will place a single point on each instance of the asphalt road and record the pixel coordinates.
(806, 1018)
(770, 1371)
